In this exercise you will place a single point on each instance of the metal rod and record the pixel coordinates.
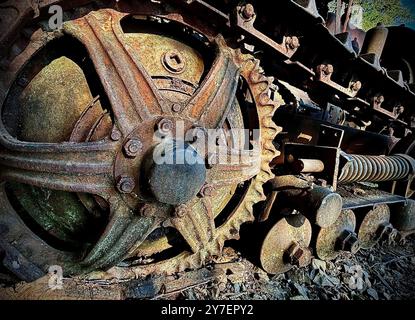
(310, 165)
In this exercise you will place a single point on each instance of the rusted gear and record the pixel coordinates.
(258, 86)
(108, 155)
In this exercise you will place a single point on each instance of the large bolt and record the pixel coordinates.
(125, 184)
(176, 107)
(328, 69)
(378, 100)
(248, 11)
(299, 256)
(356, 86)
(173, 61)
(132, 147)
(292, 42)
(398, 110)
(349, 242)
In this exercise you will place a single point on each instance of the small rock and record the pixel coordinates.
(373, 293)
(344, 296)
(368, 283)
(335, 281)
(386, 295)
(359, 284)
(326, 283)
(301, 290)
(352, 283)
(261, 275)
(191, 295)
(215, 292)
(318, 279)
(299, 298)
(347, 269)
(319, 265)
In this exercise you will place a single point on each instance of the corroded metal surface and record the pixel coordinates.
(403, 217)
(327, 242)
(79, 129)
(321, 205)
(109, 161)
(370, 228)
(242, 212)
(286, 245)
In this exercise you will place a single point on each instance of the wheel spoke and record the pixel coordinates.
(74, 167)
(130, 90)
(235, 167)
(197, 225)
(212, 102)
(123, 234)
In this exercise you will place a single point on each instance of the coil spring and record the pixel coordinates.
(376, 168)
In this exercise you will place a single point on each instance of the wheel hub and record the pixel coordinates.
(177, 174)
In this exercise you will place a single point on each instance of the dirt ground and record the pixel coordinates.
(385, 272)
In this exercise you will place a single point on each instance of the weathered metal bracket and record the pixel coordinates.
(323, 75)
(328, 155)
(244, 18)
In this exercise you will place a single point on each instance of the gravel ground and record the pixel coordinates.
(385, 272)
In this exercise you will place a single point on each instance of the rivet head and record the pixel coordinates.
(132, 147)
(176, 107)
(115, 135)
(292, 42)
(356, 86)
(328, 69)
(125, 184)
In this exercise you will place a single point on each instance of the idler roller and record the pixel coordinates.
(340, 236)
(374, 225)
(287, 245)
(321, 205)
(403, 217)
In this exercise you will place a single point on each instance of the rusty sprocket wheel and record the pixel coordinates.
(114, 165)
